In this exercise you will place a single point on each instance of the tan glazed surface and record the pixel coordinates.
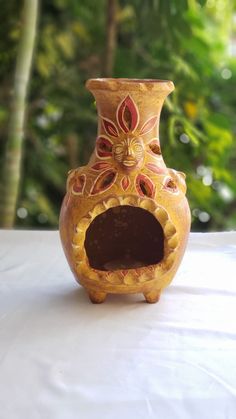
(125, 219)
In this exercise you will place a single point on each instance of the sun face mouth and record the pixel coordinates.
(125, 240)
(129, 163)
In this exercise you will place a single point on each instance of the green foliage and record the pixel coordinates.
(184, 41)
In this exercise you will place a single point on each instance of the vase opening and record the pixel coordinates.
(126, 84)
(124, 237)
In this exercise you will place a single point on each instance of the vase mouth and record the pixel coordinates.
(119, 84)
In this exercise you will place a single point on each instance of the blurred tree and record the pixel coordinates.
(111, 38)
(186, 41)
(12, 161)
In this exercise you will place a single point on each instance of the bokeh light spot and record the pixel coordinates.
(226, 74)
(184, 138)
(207, 179)
(195, 212)
(42, 218)
(22, 213)
(225, 193)
(204, 217)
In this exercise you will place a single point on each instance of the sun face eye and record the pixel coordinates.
(118, 152)
(119, 149)
(138, 148)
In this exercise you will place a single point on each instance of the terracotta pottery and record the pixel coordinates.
(125, 219)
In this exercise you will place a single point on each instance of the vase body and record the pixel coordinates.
(125, 219)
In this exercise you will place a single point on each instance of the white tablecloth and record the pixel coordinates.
(63, 358)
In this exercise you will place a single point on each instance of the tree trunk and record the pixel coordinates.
(12, 162)
(111, 38)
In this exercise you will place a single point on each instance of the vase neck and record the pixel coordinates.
(129, 107)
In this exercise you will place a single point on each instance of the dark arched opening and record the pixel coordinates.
(124, 237)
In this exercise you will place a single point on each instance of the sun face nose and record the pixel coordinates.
(129, 157)
(129, 152)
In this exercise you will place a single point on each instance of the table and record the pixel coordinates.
(63, 358)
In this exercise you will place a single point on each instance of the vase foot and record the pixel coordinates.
(152, 297)
(97, 297)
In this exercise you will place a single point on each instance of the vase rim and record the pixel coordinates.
(131, 84)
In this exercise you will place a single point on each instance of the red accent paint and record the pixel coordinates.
(145, 186)
(79, 184)
(110, 127)
(101, 165)
(125, 182)
(104, 147)
(148, 125)
(159, 170)
(103, 182)
(154, 148)
(127, 123)
(170, 185)
(124, 272)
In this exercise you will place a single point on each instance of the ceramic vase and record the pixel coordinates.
(125, 219)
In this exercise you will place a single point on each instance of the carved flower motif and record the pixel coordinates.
(123, 142)
(128, 148)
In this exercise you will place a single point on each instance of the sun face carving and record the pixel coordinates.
(123, 140)
(129, 152)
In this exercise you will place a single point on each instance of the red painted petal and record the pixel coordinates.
(145, 186)
(127, 115)
(110, 127)
(124, 272)
(149, 125)
(156, 169)
(125, 183)
(104, 181)
(154, 147)
(170, 185)
(79, 184)
(101, 165)
(104, 147)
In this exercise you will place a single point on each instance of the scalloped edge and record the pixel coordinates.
(128, 277)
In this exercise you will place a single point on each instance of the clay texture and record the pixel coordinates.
(125, 218)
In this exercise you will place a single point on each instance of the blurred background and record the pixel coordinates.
(192, 42)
